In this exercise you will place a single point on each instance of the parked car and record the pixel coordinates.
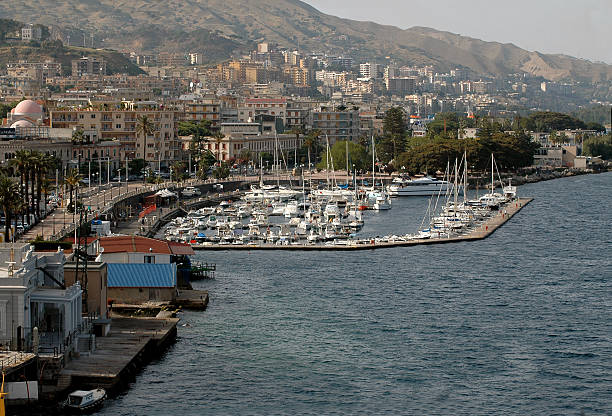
(191, 192)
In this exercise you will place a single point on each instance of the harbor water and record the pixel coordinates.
(517, 324)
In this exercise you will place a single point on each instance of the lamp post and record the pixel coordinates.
(53, 219)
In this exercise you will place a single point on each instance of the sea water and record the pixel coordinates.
(517, 324)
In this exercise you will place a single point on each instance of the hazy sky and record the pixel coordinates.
(580, 28)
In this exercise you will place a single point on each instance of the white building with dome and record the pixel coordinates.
(27, 113)
(25, 129)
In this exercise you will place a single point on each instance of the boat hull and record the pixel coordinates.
(427, 190)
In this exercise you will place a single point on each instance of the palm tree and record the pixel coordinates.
(22, 163)
(178, 169)
(9, 197)
(202, 168)
(72, 179)
(42, 163)
(46, 187)
(144, 127)
(311, 141)
(78, 137)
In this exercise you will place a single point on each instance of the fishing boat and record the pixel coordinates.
(83, 401)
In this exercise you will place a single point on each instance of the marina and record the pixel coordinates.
(483, 231)
(331, 216)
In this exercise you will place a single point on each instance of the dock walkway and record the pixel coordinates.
(131, 343)
(487, 228)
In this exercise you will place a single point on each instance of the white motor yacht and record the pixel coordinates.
(425, 186)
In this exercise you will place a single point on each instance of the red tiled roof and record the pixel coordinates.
(180, 249)
(134, 244)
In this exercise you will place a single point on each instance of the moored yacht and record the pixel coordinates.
(426, 186)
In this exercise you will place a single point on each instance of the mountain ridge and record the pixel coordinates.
(239, 23)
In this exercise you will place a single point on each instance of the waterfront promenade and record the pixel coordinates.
(101, 200)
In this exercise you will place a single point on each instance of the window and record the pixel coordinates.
(149, 259)
(93, 116)
(117, 126)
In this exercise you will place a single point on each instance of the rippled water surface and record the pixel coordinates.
(518, 324)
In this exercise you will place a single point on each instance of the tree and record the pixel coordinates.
(222, 171)
(443, 125)
(394, 122)
(135, 166)
(9, 198)
(6, 108)
(218, 138)
(595, 126)
(196, 129)
(178, 171)
(42, 163)
(46, 188)
(144, 127)
(22, 163)
(311, 141)
(78, 136)
(72, 179)
(546, 121)
(357, 153)
(394, 129)
(598, 146)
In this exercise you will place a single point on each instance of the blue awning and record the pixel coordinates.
(141, 275)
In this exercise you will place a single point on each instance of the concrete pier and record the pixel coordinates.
(483, 231)
(192, 299)
(117, 358)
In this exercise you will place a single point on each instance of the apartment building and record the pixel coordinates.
(88, 66)
(118, 122)
(38, 71)
(337, 125)
(252, 107)
(203, 108)
(247, 137)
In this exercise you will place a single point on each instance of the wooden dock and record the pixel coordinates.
(487, 228)
(117, 358)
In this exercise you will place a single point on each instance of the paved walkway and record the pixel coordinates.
(100, 200)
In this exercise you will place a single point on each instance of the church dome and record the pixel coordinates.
(27, 107)
(22, 123)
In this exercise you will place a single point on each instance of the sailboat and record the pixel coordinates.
(493, 200)
(382, 201)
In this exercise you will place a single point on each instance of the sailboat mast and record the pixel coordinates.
(327, 159)
(456, 186)
(492, 176)
(277, 162)
(465, 175)
(347, 166)
(373, 164)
